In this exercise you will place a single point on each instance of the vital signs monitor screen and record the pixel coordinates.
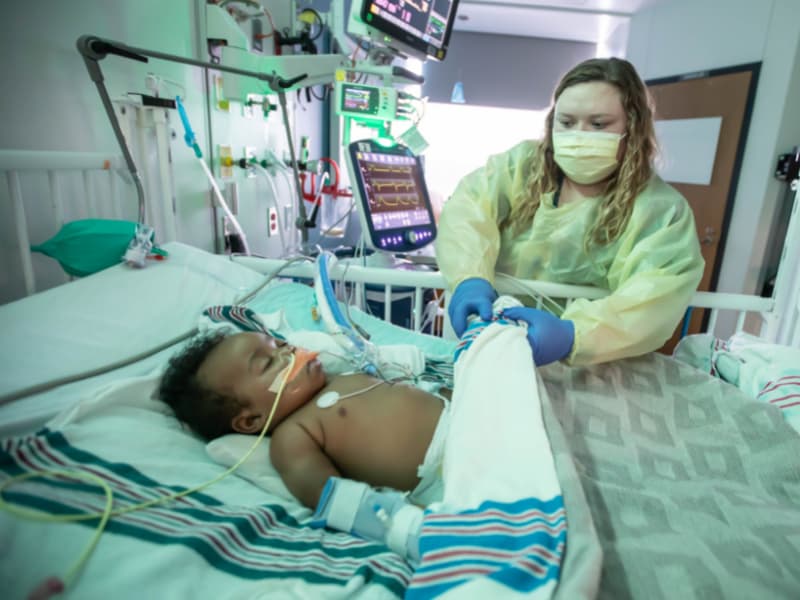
(394, 198)
(422, 24)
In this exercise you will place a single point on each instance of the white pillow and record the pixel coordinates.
(257, 469)
(77, 327)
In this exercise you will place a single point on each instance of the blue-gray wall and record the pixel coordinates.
(504, 71)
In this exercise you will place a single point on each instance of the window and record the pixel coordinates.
(462, 137)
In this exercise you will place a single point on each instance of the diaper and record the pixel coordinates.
(431, 486)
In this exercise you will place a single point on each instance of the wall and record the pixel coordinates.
(685, 36)
(49, 103)
(504, 71)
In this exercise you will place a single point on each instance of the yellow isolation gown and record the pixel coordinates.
(651, 270)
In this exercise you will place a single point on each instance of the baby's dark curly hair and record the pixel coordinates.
(206, 412)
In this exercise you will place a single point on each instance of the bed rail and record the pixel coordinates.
(48, 188)
(741, 305)
(90, 166)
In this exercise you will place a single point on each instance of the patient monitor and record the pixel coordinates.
(392, 198)
(416, 28)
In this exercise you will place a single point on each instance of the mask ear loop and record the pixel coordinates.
(57, 585)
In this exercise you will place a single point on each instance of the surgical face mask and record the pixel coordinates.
(301, 359)
(586, 157)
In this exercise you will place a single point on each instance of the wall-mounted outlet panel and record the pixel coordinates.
(272, 222)
(225, 154)
(253, 106)
(249, 155)
(219, 93)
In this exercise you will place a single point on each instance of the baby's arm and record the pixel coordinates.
(301, 462)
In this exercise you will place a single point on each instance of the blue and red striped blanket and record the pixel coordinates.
(230, 540)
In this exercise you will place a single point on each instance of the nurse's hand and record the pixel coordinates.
(550, 338)
(472, 296)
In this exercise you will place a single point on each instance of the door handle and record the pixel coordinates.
(708, 238)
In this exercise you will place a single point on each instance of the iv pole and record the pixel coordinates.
(94, 49)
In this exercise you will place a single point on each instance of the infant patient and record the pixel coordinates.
(354, 426)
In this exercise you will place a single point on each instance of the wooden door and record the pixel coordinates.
(726, 93)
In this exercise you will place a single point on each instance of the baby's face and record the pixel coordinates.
(245, 366)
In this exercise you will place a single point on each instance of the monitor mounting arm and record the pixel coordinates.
(93, 49)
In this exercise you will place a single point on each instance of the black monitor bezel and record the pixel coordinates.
(404, 37)
(397, 150)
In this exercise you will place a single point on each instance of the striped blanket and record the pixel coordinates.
(501, 529)
(766, 372)
(231, 540)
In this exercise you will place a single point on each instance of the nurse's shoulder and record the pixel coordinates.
(657, 206)
(511, 171)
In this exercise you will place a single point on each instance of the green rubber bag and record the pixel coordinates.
(89, 245)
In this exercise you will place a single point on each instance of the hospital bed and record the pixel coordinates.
(675, 483)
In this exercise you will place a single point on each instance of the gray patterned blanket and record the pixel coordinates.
(693, 489)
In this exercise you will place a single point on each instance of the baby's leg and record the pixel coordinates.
(382, 516)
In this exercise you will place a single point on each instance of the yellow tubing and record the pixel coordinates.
(107, 513)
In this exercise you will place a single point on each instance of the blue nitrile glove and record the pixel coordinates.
(472, 296)
(381, 516)
(551, 338)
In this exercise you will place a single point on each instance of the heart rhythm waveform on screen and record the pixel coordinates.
(393, 187)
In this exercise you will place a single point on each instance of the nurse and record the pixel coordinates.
(581, 206)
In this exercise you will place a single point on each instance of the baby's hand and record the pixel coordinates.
(378, 516)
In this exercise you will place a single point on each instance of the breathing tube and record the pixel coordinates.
(336, 323)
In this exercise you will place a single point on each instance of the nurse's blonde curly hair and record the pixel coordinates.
(636, 167)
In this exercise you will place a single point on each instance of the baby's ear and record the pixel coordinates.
(248, 421)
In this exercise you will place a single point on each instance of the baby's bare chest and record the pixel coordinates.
(358, 413)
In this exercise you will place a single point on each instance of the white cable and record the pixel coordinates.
(277, 162)
(429, 315)
(342, 218)
(71, 576)
(221, 201)
(285, 172)
(555, 308)
(153, 83)
(262, 171)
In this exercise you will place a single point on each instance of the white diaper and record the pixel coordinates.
(431, 487)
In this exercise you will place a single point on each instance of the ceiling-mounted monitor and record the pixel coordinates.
(417, 28)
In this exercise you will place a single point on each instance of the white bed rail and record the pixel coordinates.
(783, 325)
(741, 305)
(16, 164)
(48, 188)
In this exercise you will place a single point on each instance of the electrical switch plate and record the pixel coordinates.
(272, 221)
